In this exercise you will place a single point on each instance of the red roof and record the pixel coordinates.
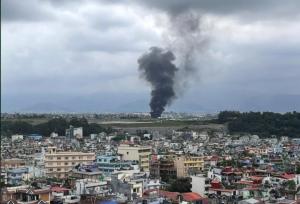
(258, 178)
(191, 196)
(222, 190)
(168, 194)
(59, 189)
(215, 181)
(287, 176)
(245, 182)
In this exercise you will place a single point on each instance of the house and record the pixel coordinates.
(91, 187)
(28, 195)
(17, 176)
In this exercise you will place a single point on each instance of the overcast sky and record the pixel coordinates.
(81, 55)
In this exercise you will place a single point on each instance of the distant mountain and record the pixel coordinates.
(140, 103)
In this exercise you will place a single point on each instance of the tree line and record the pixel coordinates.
(58, 125)
(263, 124)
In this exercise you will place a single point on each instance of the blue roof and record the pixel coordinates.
(35, 135)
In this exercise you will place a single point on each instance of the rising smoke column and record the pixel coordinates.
(186, 37)
(157, 68)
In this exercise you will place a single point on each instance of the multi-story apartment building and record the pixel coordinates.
(59, 164)
(167, 169)
(13, 163)
(188, 165)
(136, 153)
(109, 163)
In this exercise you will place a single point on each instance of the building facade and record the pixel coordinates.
(73, 132)
(188, 165)
(60, 164)
(109, 163)
(136, 153)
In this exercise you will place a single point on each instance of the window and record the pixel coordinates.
(58, 158)
(66, 163)
(66, 157)
(58, 169)
(58, 163)
(50, 169)
(127, 153)
(73, 157)
(73, 163)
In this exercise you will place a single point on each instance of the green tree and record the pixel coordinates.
(181, 185)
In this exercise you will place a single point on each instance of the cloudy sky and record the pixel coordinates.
(81, 55)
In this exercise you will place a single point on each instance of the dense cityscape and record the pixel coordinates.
(143, 160)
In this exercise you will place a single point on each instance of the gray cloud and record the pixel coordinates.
(241, 8)
(85, 52)
(30, 10)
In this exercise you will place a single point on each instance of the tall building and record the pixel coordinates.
(73, 132)
(188, 165)
(136, 153)
(60, 164)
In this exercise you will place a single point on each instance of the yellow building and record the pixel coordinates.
(136, 153)
(188, 165)
(12, 163)
(59, 164)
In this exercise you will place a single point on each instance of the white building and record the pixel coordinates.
(73, 132)
(53, 134)
(16, 137)
(91, 187)
(200, 184)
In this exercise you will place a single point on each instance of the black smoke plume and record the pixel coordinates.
(157, 68)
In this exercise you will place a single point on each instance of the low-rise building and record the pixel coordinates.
(17, 175)
(109, 163)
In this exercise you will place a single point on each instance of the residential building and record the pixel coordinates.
(188, 165)
(17, 175)
(59, 164)
(136, 153)
(27, 195)
(167, 169)
(12, 163)
(109, 163)
(200, 184)
(35, 136)
(16, 137)
(91, 187)
(91, 172)
(74, 132)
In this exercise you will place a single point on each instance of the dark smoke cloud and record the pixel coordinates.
(186, 38)
(157, 68)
